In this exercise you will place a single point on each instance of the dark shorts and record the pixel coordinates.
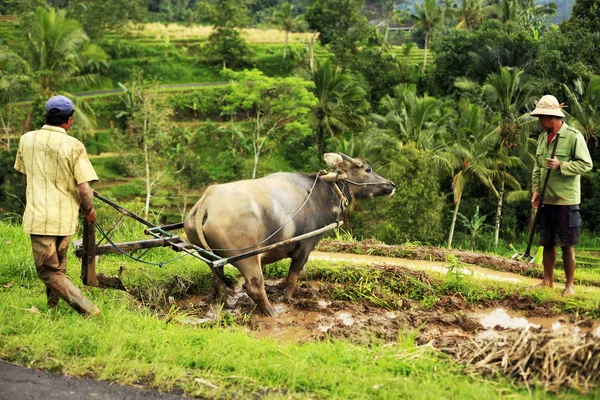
(559, 225)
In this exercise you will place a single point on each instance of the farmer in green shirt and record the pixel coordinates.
(559, 218)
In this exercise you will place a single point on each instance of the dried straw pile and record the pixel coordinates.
(552, 359)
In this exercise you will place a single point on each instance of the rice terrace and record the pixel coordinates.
(313, 199)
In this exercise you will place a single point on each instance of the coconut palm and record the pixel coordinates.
(57, 57)
(510, 10)
(285, 20)
(428, 16)
(584, 106)
(473, 156)
(526, 12)
(408, 118)
(472, 12)
(507, 94)
(342, 102)
(391, 15)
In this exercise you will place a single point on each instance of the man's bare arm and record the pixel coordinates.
(86, 197)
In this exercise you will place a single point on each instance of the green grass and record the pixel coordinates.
(129, 344)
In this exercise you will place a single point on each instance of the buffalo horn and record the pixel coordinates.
(352, 160)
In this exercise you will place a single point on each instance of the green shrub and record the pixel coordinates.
(106, 109)
(274, 64)
(205, 104)
(414, 212)
(131, 189)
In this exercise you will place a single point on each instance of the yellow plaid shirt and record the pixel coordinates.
(54, 163)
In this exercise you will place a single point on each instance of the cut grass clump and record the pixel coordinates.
(555, 359)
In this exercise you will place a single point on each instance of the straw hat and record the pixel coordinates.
(548, 105)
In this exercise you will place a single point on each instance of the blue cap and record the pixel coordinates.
(61, 103)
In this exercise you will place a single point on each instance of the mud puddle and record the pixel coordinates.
(314, 315)
(500, 318)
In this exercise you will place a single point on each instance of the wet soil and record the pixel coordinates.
(314, 314)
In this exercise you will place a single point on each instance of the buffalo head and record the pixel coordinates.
(358, 176)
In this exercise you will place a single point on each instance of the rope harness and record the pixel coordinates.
(343, 205)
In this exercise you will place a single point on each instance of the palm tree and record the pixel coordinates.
(584, 107)
(342, 102)
(391, 15)
(507, 94)
(56, 57)
(408, 118)
(510, 10)
(526, 12)
(472, 12)
(284, 19)
(428, 16)
(473, 155)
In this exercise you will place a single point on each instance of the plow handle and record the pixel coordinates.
(88, 260)
(541, 202)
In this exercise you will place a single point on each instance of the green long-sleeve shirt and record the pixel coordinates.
(564, 187)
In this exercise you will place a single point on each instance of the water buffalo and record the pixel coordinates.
(233, 218)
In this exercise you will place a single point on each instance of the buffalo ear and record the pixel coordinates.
(334, 161)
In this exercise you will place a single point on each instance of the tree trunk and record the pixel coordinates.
(451, 234)
(285, 46)
(255, 164)
(148, 183)
(425, 56)
(387, 29)
(498, 215)
(310, 46)
(320, 141)
(185, 202)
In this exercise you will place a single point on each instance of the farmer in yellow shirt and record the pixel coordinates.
(57, 175)
(559, 218)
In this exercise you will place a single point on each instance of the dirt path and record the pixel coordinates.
(440, 267)
(20, 383)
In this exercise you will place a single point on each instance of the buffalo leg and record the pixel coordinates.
(255, 284)
(296, 266)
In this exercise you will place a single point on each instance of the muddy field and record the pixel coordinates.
(516, 336)
(314, 314)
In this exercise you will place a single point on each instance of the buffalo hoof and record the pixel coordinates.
(268, 310)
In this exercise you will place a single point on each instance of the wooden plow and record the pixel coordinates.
(88, 250)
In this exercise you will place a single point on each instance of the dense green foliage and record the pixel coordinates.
(373, 99)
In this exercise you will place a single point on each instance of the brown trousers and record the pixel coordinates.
(50, 257)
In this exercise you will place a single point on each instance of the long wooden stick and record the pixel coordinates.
(88, 255)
